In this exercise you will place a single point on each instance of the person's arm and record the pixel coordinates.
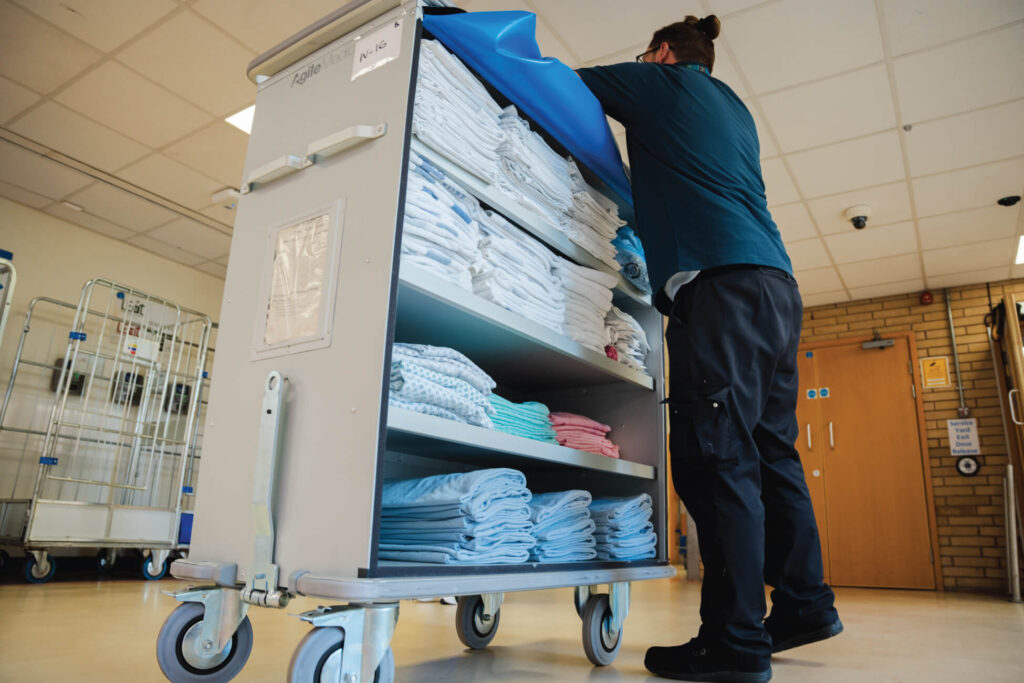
(620, 88)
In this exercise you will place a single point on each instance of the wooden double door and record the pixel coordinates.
(860, 444)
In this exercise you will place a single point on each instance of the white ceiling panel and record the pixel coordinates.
(968, 257)
(912, 24)
(823, 298)
(585, 24)
(785, 43)
(818, 280)
(627, 54)
(213, 268)
(63, 130)
(873, 243)
(262, 24)
(219, 213)
(881, 270)
(889, 204)
(848, 165)
(195, 60)
(217, 151)
(968, 188)
(768, 148)
(36, 54)
(888, 289)
(165, 250)
(724, 8)
(193, 237)
(36, 201)
(29, 171)
(14, 99)
(223, 260)
(104, 24)
(808, 254)
(794, 222)
(122, 208)
(839, 108)
(779, 187)
(170, 179)
(87, 220)
(120, 99)
(550, 45)
(976, 225)
(973, 73)
(972, 277)
(725, 71)
(977, 137)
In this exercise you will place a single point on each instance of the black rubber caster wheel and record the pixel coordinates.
(178, 650)
(317, 659)
(473, 631)
(600, 647)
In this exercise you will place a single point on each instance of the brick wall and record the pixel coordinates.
(968, 510)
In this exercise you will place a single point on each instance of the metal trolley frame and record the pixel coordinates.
(299, 436)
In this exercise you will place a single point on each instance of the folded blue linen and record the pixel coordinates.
(501, 511)
(572, 528)
(453, 554)
(613, 509)
(637, 541)
(472, 492)
(631, 523)
(611, 535)
(544, 506)
(575, 554)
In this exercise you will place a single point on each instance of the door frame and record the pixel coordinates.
(922, 433)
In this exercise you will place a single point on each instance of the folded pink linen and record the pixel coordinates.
(583, 433)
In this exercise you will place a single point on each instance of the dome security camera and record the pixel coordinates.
(858, 215)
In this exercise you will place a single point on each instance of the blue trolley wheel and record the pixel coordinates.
(32, 573)
(151, 573)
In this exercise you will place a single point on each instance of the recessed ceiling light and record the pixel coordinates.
(73, 207)
(243, 119)
(1020, 250)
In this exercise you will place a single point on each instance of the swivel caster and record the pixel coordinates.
(181, 656)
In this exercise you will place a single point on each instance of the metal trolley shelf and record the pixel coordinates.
(299, 434)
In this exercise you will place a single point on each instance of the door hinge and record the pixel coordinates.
(913, 390)
(910, 368)
(931, 555)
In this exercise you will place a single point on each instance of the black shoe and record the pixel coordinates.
(700, 662)
(787, 636)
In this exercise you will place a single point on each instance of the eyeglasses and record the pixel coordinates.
(640, 57)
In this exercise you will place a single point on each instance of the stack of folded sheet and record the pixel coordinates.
(454, 114)
(480, 517)
(624, 528)
(593, 219)
(516, 272)
(439, 234)
(584, 434)
(627, 338)
(439, 381)
(588, 299)
(630, 255)
(528, 420)
(562, 527)
(532, 173)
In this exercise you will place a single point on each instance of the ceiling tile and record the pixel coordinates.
(193, 237)
(627, 54)
(217, 151)
(552, 46)
(848, 165)
(88, 221)
(215, 269)
(36, 54)
(834, 109)
(976, 225)
(104, 24)
(972, 277)
(69, 133)
(818, 280)
(793, 222)
(913, 25)
(724, 8)
(172, 180)
(968, 257)
(14, 99)
(219, 213)
(120, 207)
(889, 289)
(779, 187)
(725, 71)
(223, 260)
(121, 99)
(195, 60)
(165, 250)
(823, 298)
(968, 188)
(881, 270)
(968, 72)
(794, 41)
(873, 243)
(967, 139)
(29, 171)
(807, 254)
(262, 24)
(889, 204)
(15, 193)
(768, 148)
(585, 25)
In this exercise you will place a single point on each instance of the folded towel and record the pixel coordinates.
(454, 554)
(545, 506)
(528, 420)
(472, 492)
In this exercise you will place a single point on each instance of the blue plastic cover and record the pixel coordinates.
(185, 529)
(500, 46)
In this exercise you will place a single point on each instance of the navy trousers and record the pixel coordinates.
(732, 340)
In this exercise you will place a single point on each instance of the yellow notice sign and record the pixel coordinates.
(935, 372)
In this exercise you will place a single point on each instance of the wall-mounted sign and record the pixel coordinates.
(824, 392)
(963, 437)
(935, 372)
(812, 393)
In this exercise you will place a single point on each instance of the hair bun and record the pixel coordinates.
(710, 26)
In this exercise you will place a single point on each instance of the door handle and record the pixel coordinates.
(808, 436)
(831, 437)
(1013, 411)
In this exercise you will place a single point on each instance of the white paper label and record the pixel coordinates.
(377, 49)
(963, 437)
(300, 261)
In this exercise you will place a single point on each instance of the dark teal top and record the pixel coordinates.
(696, 170)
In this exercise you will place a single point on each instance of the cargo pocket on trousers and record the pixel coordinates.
(702, 428)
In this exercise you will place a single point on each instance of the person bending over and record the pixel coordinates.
(722, 276)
